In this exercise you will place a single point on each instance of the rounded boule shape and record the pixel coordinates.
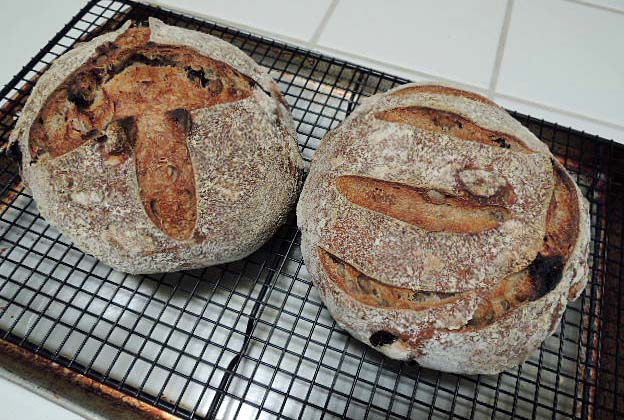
(438, 229)
(159, 148)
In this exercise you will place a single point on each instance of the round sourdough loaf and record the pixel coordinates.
(159, 148)
(439, 229)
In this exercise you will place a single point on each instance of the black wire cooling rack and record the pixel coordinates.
(251, 339)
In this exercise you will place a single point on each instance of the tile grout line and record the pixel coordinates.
(371, 61)
(560, 111)
(500, 50)
(322, 24)
(597, 6)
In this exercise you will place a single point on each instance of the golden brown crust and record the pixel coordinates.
(399, 201)
(241, 148)
(510, 293)
(563, 217)
(518, 288)
(452, 124)
(135, 98)
(392, 207)
(444, 90)
(374, 293)
(165, 173)
(543, 274)
(428, 209)
(131, 77)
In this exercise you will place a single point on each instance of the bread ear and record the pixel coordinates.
(438, 230)
(154, 156)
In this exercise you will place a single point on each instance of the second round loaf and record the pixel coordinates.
(438, 229)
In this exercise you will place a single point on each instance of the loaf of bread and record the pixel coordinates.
(159, 148)
(440, 230)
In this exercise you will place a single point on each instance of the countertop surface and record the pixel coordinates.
(559, 60)
(18, 403)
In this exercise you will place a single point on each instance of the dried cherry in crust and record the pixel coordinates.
(439, 230)
(154, 149)
(138, 98)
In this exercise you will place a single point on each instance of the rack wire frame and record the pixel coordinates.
(252, 339)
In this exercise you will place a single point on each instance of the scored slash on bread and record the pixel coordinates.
(440, 230)
(155, 149)
(428, 209)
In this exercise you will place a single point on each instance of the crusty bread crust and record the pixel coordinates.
(432, 240)
(228, 153)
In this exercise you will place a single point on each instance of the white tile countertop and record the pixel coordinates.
(560, 60)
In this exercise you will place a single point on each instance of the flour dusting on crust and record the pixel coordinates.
(432, 168)
(246, 165)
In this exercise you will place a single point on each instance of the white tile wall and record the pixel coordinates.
(392, 69)
(295, 20)
(446, 38)
(566, 55)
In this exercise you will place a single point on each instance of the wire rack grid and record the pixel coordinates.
(252, 339)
